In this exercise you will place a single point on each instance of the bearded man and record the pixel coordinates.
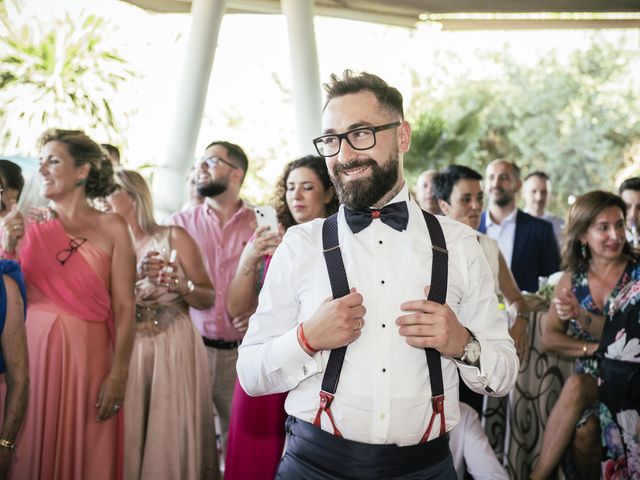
(527, 243)
(348, 310)
(221, 226)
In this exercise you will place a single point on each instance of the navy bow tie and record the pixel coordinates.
(396, 215)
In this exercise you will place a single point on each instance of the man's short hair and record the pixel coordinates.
(515, 169)
(538, 173)
(632, 183)
(444, 181)
(235, 153)
(352, 82)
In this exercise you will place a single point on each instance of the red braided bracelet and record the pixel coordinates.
(304, 340)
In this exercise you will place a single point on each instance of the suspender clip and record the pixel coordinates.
(438, 410)
(326, 399)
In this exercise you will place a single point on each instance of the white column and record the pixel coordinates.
(304, 68)
(168, 181)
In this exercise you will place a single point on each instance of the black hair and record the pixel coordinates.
(445, 180)
(632, 183)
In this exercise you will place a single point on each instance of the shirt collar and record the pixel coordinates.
(511, 218)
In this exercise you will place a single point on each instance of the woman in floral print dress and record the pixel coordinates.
(619, 387)
(598, 263)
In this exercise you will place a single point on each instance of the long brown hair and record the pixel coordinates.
(581, 215)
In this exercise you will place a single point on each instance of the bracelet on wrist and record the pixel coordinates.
(8, 444)
(246, 269)
(523, 316)
(304, 341)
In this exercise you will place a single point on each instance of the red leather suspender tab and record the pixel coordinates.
(438, 409)
(325, 406)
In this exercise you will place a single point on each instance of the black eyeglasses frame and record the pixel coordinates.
(344, 136)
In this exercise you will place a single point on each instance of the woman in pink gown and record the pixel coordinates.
(256, 427)
(80, 270)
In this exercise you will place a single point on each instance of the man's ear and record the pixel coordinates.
(404, 136)
(444, 206)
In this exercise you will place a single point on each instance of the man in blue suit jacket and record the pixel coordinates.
(527, 243)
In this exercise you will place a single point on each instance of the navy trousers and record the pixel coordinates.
(313, 454)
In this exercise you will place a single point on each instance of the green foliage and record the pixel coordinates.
(575, 118)
(59, 73)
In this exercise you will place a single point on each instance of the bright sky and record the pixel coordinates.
(249, 99)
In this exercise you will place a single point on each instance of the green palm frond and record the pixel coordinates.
(60, 73)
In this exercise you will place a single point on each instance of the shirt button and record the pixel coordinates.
(382, 416)
(304, 370)
(384, 370)
(382, 282)
(384, 325)
(380, 242)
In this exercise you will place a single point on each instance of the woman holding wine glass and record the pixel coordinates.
(169, 429)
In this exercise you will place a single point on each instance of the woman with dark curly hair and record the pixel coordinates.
(256, 429)
(11, 184)
(598, 263)
(79, 269)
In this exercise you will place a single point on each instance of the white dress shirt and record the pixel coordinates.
(491, 252)
(384, 394)
(504, 233)
(471, 450)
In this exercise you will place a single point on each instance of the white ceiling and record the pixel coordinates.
(408, 12)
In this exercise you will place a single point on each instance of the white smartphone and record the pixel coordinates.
(266, 215)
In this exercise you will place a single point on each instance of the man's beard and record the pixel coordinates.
(364, 192)
(501, 198)
(212, 189)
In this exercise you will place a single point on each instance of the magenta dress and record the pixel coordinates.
(70, 338)
(256, 431)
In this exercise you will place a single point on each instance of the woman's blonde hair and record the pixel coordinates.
(135, 185)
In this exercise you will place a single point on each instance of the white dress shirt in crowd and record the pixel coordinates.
(384, 394)
(504, 233)
(471, 450)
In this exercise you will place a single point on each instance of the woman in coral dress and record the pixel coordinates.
(80, 270)
(169, 429)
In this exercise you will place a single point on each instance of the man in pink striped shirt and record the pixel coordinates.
(222, 225)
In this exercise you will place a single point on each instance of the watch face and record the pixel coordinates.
(472, 352)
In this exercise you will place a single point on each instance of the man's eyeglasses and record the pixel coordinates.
(212, 162)
(65, 254)
(361, 138)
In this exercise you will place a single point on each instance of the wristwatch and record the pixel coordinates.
(471, 351)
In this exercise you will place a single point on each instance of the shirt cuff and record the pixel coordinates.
(479, 377)
(292, 360)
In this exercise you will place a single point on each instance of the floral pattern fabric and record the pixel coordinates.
(580, 283)
(619, 386)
